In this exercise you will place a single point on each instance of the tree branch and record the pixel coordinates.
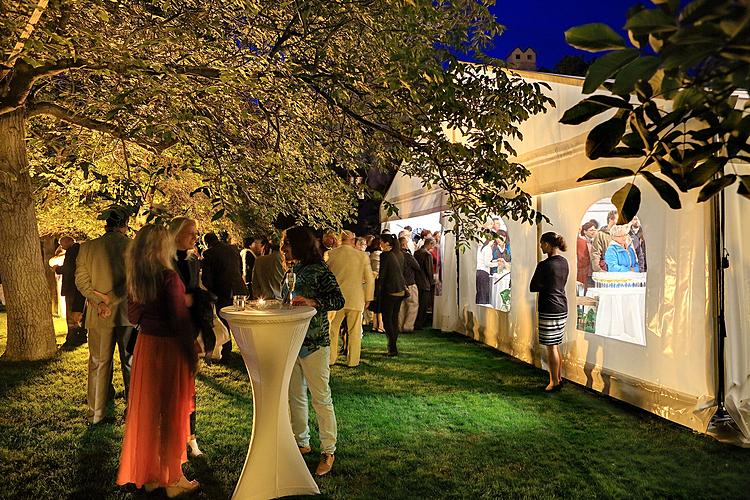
(66, 115)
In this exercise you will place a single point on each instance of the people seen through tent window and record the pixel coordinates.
(493, 266)
(610, 276)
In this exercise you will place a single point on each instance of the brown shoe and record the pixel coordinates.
(304, 450)
(326, 462)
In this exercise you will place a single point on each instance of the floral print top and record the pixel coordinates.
(316, 281)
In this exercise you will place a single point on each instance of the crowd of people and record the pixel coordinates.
(610, 248)
(155, 297)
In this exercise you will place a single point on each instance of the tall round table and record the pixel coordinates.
(270, 340)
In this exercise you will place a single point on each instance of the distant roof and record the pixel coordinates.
(522, 50)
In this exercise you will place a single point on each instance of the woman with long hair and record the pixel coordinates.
(162, 384)
(549, 280)
(374, 308)
(392, 288)
(185, 233)
(315, 286)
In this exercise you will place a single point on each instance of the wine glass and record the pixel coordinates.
(291, 281)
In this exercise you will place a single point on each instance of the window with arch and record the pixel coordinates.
(494, 257)
(611, 272)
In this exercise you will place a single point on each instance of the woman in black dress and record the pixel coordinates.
(392, 288)
(549, 280)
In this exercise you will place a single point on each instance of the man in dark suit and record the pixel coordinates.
(425, 261)
(74, 300)
(222, 276)
(252, 249)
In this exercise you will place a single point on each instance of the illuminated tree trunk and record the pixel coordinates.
(31, 334)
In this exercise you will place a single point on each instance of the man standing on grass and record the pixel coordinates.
(74, 300)
(425, 261)
(100, 277)
(354, 276)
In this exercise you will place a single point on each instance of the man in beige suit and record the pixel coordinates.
(354, 275)
(100, 277)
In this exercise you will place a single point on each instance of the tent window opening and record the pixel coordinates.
(493, 287)
(611, 275)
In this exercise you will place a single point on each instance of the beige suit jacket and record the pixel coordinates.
(353, 274)
(100, 267)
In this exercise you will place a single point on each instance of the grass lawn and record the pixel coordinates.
(449, 418)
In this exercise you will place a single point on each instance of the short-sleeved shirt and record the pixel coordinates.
(549, 280)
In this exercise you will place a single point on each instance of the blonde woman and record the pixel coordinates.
(164, 363)
(185, 233)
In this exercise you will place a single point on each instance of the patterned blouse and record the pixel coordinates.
(316, 281)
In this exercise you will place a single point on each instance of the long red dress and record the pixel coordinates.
(162, 386)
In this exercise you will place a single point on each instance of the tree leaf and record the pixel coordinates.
(744, 188)
(715, 186)
(594, 37)
(604, 137)
(606, 173)
(650, 21)
(665, 190)
(627, 199)
(606, 66)
(218, 215)
(639, 70)
(582, 112)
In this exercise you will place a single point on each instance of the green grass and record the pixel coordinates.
(449, 418)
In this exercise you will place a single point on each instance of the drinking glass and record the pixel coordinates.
(239, 302)
(291, 281)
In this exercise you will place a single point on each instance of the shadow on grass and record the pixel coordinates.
(19, 373)
(97, 451)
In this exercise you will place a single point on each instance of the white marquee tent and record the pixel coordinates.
(674, 374)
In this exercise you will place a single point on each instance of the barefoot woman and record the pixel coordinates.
(549, 280)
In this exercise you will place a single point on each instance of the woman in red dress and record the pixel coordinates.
(164, 363)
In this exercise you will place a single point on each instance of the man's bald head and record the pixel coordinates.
(348, 238)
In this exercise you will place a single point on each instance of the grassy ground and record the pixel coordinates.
(448, 418)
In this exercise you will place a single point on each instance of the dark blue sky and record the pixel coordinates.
(541, 24)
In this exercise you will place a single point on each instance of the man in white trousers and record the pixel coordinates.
(354, 276)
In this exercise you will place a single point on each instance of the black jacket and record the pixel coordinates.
(412, 272)
(68, 271)
(222, 273)
(391, 277)
(426, 262)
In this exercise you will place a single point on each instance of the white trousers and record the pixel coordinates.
(312, 372)
(354, 332)
(409, 308)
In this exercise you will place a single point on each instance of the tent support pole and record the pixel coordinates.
(721, 262)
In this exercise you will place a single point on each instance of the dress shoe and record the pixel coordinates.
(181, 487)
(304, 450)
(554, 388)
(193, 449)
(326, 462)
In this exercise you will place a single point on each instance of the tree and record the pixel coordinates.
(261, 99)
(685, 66)
(572, 65)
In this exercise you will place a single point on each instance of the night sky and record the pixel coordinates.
(541, 24)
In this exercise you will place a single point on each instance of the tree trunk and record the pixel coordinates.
(31, 334)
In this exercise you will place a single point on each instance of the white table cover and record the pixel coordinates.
(270, 341)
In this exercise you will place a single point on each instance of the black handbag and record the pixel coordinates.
(130, 348)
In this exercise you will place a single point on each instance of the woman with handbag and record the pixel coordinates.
(162, 384)
(185, 232)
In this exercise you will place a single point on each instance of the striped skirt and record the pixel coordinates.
(552, 328)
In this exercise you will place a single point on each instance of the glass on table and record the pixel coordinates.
(239, 301)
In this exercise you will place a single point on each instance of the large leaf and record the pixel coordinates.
(715, 186)
(606, 173)
(604, 137)
(744, 187)
(650, 21)
(606, 66)
(641, 69)
(594, 37)
(665, 190)
(591, 107)
(627, 200)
